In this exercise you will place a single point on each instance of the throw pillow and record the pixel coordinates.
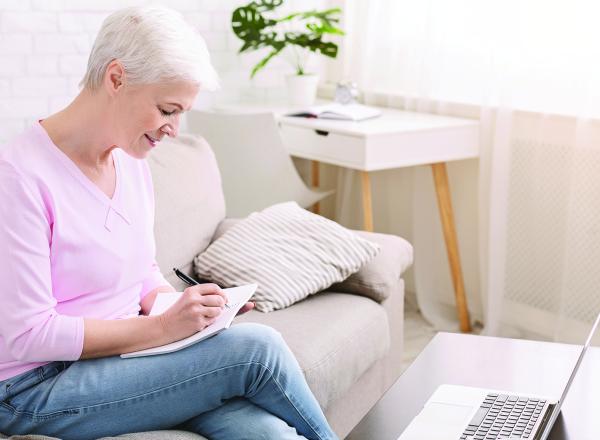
(288, 251)
(380, 277)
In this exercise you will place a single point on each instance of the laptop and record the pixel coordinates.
(458, 412)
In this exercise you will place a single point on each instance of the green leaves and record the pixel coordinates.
(326, 18)
(257, 31)
(249, 25)
(266, 5)
(263, 62)
(312, 43)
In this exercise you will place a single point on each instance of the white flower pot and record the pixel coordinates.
(302, 89)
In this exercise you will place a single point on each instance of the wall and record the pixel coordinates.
(44, 46)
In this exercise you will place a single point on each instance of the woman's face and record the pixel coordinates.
(146, 113)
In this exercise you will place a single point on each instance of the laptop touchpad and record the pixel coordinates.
(438, 421)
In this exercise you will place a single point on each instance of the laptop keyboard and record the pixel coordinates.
(501, 416)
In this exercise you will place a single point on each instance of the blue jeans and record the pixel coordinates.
(243, 383)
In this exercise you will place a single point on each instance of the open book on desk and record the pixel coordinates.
(347, 112)
(236, 298)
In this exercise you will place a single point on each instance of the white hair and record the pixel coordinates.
(153, 44)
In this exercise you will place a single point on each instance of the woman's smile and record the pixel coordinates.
(152, 141)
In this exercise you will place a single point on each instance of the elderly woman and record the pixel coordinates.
(78, 274)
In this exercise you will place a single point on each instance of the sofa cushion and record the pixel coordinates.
(288, 251)
(189, 200)
(379, 277)
(336, 337)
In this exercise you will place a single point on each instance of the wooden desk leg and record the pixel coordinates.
(442, 189)
(314, 172)
(366, 198)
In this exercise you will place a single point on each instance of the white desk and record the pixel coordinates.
(394, 140)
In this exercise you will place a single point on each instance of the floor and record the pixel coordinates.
(417, 333)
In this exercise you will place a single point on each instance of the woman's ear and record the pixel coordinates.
(114, 77)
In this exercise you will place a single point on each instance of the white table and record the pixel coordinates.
(396, 139)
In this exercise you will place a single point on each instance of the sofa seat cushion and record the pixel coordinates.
(336, 337)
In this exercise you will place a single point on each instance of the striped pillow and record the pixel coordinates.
(289, 252)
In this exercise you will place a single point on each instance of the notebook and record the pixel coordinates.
(348, 112)
(237, 297)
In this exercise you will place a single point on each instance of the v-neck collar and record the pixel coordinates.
(111, 202)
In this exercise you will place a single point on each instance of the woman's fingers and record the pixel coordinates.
(207, 289)
(212, 300)
(197, 308)
(246, 308)
(211, 312)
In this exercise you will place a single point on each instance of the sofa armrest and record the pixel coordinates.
(378, 278)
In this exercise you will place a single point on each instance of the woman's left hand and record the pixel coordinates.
(245, 308)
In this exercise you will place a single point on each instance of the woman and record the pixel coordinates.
(78, 275)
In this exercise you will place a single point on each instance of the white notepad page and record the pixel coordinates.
(236, 298)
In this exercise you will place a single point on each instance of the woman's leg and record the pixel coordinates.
(239, 419)
(110, 396)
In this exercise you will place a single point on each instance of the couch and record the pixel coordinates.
(348, 340)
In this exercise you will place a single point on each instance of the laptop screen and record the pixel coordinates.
(556, 410)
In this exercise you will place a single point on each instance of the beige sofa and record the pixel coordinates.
(348, 340)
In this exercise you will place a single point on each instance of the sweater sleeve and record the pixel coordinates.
(154, 279)
(29, 323)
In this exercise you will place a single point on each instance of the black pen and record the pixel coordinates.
(189, 280)
(185, 278)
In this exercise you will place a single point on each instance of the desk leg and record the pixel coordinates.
(366, 198)
(442, 189)
(314, 172)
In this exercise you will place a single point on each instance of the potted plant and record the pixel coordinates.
(300, 32)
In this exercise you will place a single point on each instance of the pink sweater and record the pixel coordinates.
(67, 251)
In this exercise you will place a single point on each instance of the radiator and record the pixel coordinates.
(552, 263)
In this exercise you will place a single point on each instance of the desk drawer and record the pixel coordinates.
(324, 146)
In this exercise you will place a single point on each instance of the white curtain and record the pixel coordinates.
(530, 71)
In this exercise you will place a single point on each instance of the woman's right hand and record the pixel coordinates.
(198, 307)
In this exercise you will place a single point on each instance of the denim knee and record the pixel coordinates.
(259, 342)
(255, 334)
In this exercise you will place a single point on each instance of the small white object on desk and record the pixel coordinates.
(237, 297)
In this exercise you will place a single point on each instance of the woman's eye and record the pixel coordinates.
(166, 113)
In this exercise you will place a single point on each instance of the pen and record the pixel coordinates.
(185, 278)
(189, 280)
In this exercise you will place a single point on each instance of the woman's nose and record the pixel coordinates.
(172, 128)
(169, 130)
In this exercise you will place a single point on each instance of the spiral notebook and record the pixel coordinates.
(237, 297)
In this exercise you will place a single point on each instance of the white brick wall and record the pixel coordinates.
(44, 46)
